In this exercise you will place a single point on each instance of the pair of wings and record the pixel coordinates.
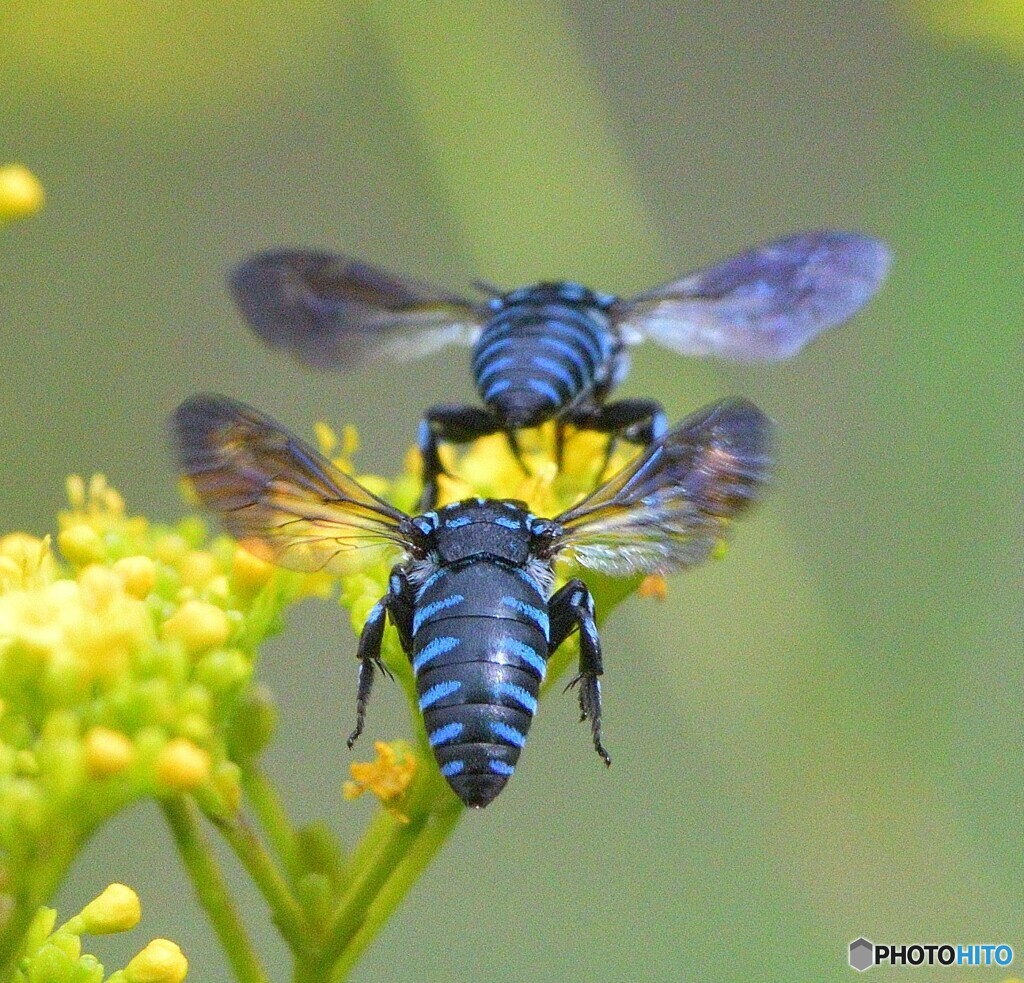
(764, 304)
(288, 504)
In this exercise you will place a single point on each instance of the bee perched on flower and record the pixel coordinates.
(470, 591)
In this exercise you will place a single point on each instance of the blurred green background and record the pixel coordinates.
(818, 738)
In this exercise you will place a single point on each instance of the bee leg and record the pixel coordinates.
(640, 421)
(457, 424)
(517, 452)
(570, 608)
(559, 443)
(398, 604)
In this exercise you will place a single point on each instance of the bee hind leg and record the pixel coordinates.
(398, 604)
(572, 608)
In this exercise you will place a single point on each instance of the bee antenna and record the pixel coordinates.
(487, 288)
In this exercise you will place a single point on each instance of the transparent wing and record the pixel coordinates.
(668, 508)
(281, 499)
(765, 304)
(335, 312)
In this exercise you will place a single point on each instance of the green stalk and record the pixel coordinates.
(386, 852)
(430, 838)
(42, 881)
(212, 890)
(285, 909)
(387, 862)
(269, 811)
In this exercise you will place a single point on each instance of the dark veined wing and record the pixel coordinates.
(335, 312)
(668, 508)
(764, 304)
(281, 499)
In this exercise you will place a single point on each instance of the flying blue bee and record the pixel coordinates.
(470, 592)
(554, 351)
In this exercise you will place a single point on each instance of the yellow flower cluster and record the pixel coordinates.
(126, 654)
(388, 777)
(54, 955)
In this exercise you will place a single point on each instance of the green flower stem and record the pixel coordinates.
(427, 841)
(367, 879)
(284, 907)
(40, 882)
(270, 813)
(383, 853)
(211, 889)
(371, 845)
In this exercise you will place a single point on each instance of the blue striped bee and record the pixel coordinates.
(470, 592)
(556, 350)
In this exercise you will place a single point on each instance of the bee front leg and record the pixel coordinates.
(457, 424)
(640, 421)
(398, 604)
(570, 608)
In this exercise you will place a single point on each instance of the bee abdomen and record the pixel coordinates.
(532, 360)
(478, 693)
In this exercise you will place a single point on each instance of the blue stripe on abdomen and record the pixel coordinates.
(425, 612)
(537, 615)
(553, 367)
(435, 647)
(546, 390)
(439, 691)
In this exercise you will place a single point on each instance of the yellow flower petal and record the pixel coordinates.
(160, 962)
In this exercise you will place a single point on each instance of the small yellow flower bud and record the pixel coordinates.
(253, 722)
(75, 487)
(107, 752)
(223, 670)
(81, 544)
(218, 588)
(25, 561)
(21, 192)
(182, 766)
(198, 626)
(138, 574)
(170, 548)
(103, 498)
(375, 483)
(99, 585)
(349, 440)
(160, 962)
(194, 727)
(117, 909)
(51, 962)
(197, 567)
(41, 928)
(326, 438)
(249, 573)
